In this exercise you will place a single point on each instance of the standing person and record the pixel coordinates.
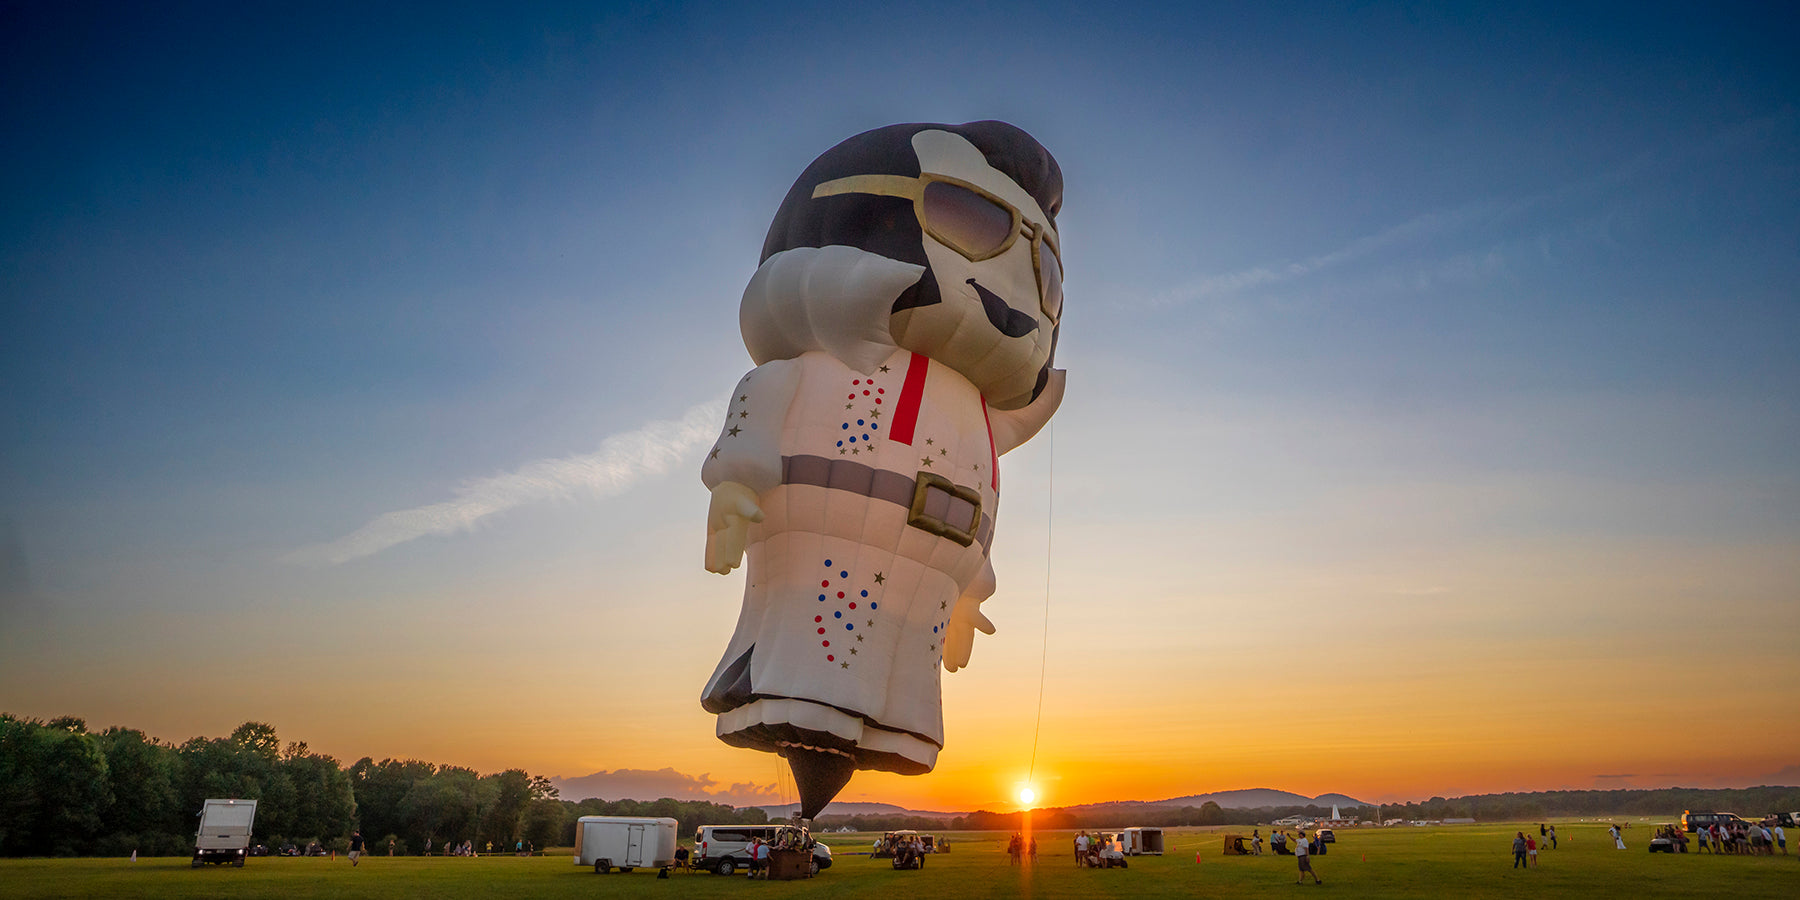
(356, 848)
(756, 845)
(1519, 851)
(1541, 831)
(1531, 850)
(390, 846)
(1305, 862)
(1081, 848)
(1256, 841)
(1553, 837)
(1781, 838)
(1618, 839)
(1033, 857)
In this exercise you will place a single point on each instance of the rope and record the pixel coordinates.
(1044, 662)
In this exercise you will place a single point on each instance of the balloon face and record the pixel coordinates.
(988, 243)
(903, 321)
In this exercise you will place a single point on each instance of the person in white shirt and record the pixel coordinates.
(1305, 860)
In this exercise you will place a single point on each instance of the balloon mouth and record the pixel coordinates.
(1001, 315)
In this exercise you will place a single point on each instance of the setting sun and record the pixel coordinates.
(1027, 796)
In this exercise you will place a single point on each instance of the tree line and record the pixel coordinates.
(68, 791)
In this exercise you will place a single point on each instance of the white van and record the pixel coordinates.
(224, 835)
(624, 842)
(725, 849)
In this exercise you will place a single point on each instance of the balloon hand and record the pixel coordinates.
(728, 519)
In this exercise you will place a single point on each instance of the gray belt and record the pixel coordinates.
(934, 503)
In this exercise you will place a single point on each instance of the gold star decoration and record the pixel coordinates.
(734, 431)
(874, 413)
(858, 640)
(977, 467)
(852, 651)
(879, 578)
(929, 441)
(943, 604)
(855, 451)
(884, 368)
(842, 451)
(845, 664)
(743, 415)
(715, 453)
(932, 647)
(943, 452)
(871, 623)
(743, 396)
(846, 406)
(925, 461)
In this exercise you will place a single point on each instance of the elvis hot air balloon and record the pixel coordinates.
(903, 323)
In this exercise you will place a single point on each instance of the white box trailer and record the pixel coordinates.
(224, 835)
(624, 842)
(1142, 841)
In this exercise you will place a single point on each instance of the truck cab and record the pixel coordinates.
(224, 835)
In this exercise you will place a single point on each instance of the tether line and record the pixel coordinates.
(1044, 663)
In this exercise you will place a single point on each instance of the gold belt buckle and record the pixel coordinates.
(932, 496)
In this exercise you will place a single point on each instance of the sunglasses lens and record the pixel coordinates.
(968, 222)
(1050, 280)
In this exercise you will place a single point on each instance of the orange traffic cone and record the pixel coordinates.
(1196, 856)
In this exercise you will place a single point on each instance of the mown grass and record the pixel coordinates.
(1453, 861)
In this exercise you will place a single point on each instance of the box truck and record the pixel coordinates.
(624, 842)
(224, 835)
(1142, 841)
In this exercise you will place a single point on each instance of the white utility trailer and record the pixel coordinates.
(624, 842)
(1142, 842)
(224, 835)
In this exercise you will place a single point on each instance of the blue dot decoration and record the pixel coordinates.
(846, 426)
(875, 425)
(934, 629)
(821, 598)
(859, 421)
(837, 615)
(849, 627)
(828, 564)
(840, 443)
(873, 605)
(852, 440)
(865, 594)
(865, 437)
(843, 574)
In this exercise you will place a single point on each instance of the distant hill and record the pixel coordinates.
(857, 809)
(1252, 798)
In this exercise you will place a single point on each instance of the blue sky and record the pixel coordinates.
(1401, 328)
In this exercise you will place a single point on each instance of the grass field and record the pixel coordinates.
(1452, 861)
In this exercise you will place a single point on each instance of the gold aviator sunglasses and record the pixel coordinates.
(966, 219)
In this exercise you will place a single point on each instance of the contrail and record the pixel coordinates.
(621, 461)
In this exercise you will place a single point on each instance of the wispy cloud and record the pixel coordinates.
(1470, 238)
(621, 461)
(655, 784)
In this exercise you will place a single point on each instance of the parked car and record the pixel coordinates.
(725, 849)
(1693, 821)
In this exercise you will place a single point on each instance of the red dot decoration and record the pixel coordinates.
(821, 631)
(825, 643)
(830, 658)
(881, 390)
(865, 393)
(857, 381)
(816, 618)
(840, 595)
(850, 396)
(825, 584)
(877, 401)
